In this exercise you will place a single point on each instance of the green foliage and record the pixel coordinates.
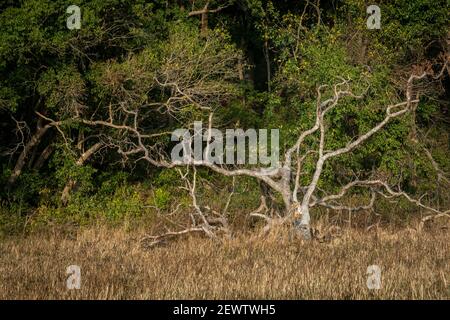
(407, 27)
(66, 169)
(162, 198)
(111, 181)
(258, 66)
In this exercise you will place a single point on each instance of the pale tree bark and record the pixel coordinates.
(298, 211)
(203, 219)
(284, 179)
(28, 147)
(45, 154)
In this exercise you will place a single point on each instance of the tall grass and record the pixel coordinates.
(114, 265)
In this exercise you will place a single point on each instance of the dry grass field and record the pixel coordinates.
(114, 265)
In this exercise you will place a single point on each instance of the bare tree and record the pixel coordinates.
(28, 146)
(298, 199)
(81, 160)
(199, 75)
(203, 220)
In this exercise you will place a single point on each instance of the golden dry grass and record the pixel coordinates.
(415, 265)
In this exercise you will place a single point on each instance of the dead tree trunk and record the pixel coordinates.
(71, 183)
(34, 141)
(298, 200)
(204, 16)
(45, 154)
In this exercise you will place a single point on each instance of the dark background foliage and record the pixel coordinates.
(283, 51)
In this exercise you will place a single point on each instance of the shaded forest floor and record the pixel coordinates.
(114, 265)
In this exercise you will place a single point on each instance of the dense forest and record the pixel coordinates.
(87, 112)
